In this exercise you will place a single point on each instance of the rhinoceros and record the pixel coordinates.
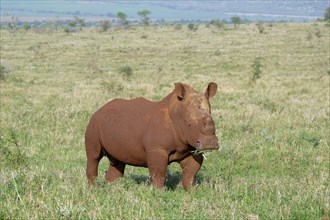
(143, 133)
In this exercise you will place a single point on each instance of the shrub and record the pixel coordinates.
(67, 30)
(236, 20)
(105, 25)
(218, 23)
(327, 14)
(127, 70)
(260, 27)
(256, 68)
(26, 26)
(3, 72)
(76, 22)
(192, 26)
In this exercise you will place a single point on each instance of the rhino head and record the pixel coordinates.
(191, 116)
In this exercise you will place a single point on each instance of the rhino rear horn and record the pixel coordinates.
(211, 90)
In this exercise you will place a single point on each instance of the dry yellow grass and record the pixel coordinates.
(274, 131)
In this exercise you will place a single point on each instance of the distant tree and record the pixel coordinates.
(327, 14)
(218, 23)
(80, 22)
(72, 23)
(236, 20)
(192, 26)
(144, 16)
(122, 18)
(77, 22)
(105, 25)
(13, 23)
(26, 26)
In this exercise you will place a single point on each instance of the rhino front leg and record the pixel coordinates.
(190, 166)
(157, 164)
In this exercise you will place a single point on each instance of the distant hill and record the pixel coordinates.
(252, 10)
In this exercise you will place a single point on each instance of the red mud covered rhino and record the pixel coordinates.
(150, 134)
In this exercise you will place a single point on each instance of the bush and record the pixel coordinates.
(218, 23)
(127, 70)
(105, 25)
(192, 26)
(3, 72)
(236, 20)
(260, 27)
(76, 22)
(327, 14)
(67, 30)
(26, 26)
(256, 68)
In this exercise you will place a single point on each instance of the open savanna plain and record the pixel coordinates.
(274, 130)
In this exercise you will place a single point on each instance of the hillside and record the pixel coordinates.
(274, 130)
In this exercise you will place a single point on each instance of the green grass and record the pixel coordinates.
(274, 130)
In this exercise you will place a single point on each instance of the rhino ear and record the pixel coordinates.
(211, 90)
(180, 91)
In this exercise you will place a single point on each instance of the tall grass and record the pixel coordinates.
(274, 163)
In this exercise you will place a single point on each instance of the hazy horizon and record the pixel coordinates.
(253, 10)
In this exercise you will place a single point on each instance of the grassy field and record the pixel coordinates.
(274, 130)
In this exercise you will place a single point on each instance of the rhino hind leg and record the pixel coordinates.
(190, 166)
(93, 158)
(93, 152)
(115, 171)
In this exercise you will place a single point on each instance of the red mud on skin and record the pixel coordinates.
(140, 132)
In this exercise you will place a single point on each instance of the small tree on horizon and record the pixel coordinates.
(192, 27)
(122, 18)
(13, 23)
(144, 16)
(76, 22)
(105, 25)
(218, 23)
(236, 20)
(327, 14)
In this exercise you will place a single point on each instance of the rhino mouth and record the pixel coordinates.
(206, 146)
